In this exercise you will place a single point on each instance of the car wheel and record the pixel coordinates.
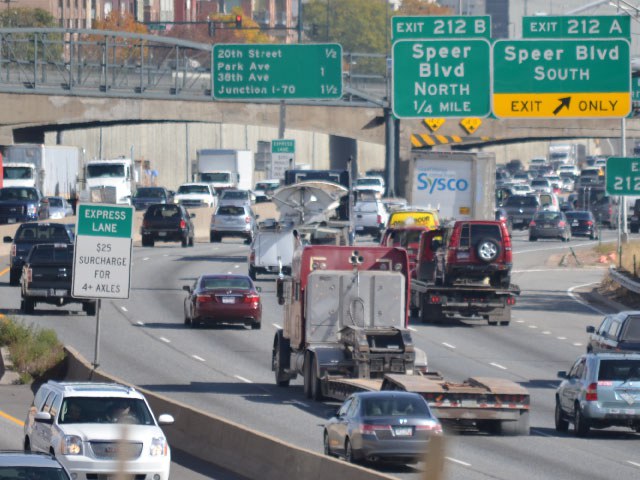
(348, 452)
(533, 239)
(27, 444)
(488, 250)
(28, 305)
(562, 424)
(90, 308)
(191, 241)
(252, 273)
(327, 448)
(580, 423)
(184, 242)
(214, 238)
(256, 325)
(14, 277)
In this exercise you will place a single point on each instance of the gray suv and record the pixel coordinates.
(233, 221)
(600, 391)
(43, 466)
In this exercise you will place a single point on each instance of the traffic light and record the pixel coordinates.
(238, 21)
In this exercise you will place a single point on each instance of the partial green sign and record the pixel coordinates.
(252, 71)
(441, 78)
(283, 146)
(105, 220)
(622, 176)
(602, 26)
(418, 27)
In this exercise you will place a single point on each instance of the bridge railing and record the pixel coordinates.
(121, 64)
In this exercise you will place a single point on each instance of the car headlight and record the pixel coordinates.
(72, 445)
(31, 210)
(56, 215)
(159, 447)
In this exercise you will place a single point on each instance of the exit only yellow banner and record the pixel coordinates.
(561, 105)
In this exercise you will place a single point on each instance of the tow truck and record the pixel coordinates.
(345, 330)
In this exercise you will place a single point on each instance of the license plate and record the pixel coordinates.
(11, 220)
(359, 228)
(228, 300)
(61, 293)
(162, 234)
(575, 223)
(403, 431)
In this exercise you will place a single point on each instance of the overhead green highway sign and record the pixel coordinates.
(441, 78)
(251, 71)
(417, 27)
(602, 26)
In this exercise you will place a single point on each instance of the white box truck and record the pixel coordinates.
(226, 168)
(460, 185)
(52, 169)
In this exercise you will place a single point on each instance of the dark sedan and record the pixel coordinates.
(146, 196)
(215, 299)
(582, 223)
(390, 426)
(547, 224)
(167, 223)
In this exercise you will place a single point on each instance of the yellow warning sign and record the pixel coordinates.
(470, 124)
(433, 123)
(561, 105)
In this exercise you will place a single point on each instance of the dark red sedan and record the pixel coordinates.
(215, 299)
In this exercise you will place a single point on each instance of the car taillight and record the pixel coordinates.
(432, 427)
(247, 219)
(29, 275)
(561, 223)
(592, 393)
(434, 299)
(251, 298)
(183, 224)
(13, 250)
(511, 301)
(145, 224)
(589, 222)
(379, 219)
(368, 429)
(204, 298)
(532, 223)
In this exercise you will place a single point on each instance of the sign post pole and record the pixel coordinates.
(96, 346)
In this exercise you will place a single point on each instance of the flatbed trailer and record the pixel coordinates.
(495, 405)
(437, 302)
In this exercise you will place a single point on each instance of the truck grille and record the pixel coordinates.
(191, 203)
(116, 450)
(8, 211)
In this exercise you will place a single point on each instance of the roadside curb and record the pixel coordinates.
(594, 297)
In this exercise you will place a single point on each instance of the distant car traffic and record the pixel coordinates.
(618, 332)
(385, 426)
(217, 299)
(196, 195)
(374, 183)
(582, 223)
(233, 221)
(541, 185)
(265, 188)
(370, 218)
(236, 197)
(85, 425)
(19, 465)
(146, 196)
(167, 223)
(600, 391)
(547, 224)
(56, 208)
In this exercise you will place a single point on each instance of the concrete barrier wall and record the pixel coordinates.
(243, 451)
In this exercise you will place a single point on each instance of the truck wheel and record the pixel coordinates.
(431, 313)
(316, 382)
(213, 238)
(14, 277)
(562, 424)
(280, 349)
(517, 427)
(307, 376)
(191, 241)
(488, 250)
(28, 305)
(90, 308)
(581, 425)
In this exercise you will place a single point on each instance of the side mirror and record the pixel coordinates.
(43, 417)
(7, 239)
(165, 419)
(259, 289)
(186, 288)
(562, 374)
(591, 329)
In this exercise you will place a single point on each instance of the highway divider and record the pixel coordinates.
(229, 445)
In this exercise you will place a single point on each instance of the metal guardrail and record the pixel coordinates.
(624, 281)
(103, 63)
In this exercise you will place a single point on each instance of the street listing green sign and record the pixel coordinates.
(441, 78)
(403, 28)
(622, 176)
(252, 71)
(602, 26)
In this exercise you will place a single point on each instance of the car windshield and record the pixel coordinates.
(404, 238)
(549, 216)
(163, 211)
(17, 173)
(105, 170)
(234, 195)
(18, 194)
(521, 201)
(632, 329)
(42, 233)
(370, 182)
(366, 207)
(577, 215)
(35, 473)
(266, 186)
(405, 406)
(54, 202)
(149, 193)
(193, 189)
(105, 410)
(540, 183)
(619, 370)
(230, 210)
(209, 283)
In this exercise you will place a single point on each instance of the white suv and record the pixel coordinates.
(95, 428)
(196, 195)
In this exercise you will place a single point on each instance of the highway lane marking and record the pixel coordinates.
(497, 365)
(533, 326)
(459, 462)
(245, 380)
(140, 323)
(633, 463)
(12, 419)
(145, 259)
(165, 340)
(124, 309)
(2, 272)
(562, 338)
(165, 255)
(236, 266)
(539, 270)
(577, 344)
(200, 359)
(582, 302)
(538, 432)
(546, 332)
(448, 345)
(519, 321)
(277, 326)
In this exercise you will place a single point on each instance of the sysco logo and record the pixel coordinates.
(433, 184)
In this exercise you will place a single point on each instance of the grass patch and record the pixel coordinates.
(605, 248)
(33, 350)
(630, 250)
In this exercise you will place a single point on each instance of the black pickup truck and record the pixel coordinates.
(47, 277)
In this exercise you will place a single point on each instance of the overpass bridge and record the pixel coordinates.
(57, 79)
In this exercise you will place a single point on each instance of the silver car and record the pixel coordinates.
(600, 391)
(58, 207)
(236, 197)
(233, 221)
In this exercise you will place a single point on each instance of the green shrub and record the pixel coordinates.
(33, 350)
